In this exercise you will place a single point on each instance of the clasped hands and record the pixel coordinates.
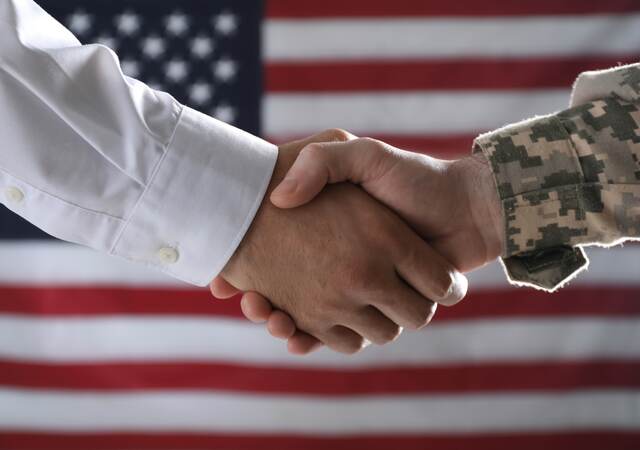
(356, 240)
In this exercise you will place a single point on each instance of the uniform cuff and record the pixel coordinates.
(543, 198)
(547, 269)
(201, 201)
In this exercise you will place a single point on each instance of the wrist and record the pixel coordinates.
(263, 228)
(485, 209)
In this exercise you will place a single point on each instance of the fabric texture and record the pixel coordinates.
(570, 179)
(97, 158)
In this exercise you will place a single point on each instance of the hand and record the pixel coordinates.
(452, 204)
(344, 268)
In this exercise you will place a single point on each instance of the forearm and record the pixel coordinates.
(571, 180)
(102, 160)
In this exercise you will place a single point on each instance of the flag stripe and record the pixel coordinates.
(124, 339)
(372, 381)
(405, 112)
(50, 264)
(192, 411)
(55, 301)
(58, 263)
(97, 353)
(468, 74)
(593, 440)
(478, 8)
(411, 38)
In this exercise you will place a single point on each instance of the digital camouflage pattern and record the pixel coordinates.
(569, 179)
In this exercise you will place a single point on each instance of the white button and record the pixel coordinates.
(168, 255)
(14, 195)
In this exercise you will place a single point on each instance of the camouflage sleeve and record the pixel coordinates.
(568, 180)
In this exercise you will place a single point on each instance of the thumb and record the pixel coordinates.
(222, 289)
(319, 164)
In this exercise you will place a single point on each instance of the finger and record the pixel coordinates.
(280, 325)
(302, 343)
(221, 289)
(430, 274)
(331, 135)
(404, 306)
(255, 307)
(321, 163)
(343, 340)
(374, 326)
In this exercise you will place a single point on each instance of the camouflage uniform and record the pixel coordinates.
(569, 179)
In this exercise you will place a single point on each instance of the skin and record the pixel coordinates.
(346, 269)
(452, 204)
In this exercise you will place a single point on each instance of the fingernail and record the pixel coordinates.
(287, 187)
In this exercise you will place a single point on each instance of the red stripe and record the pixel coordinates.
(477, 74)
(100, 301)
(320, 381)
(594, 440)
(601, 301)
(282, 9)
(447, 146)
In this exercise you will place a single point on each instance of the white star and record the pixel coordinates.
(107, 41)
(225, 69)
(130, 67)
(177, 70)
(153, 47)
(80, 22)
(226, 23)
(128, 23)
(202, 46)
(225, 113)
(200, 92)
(177, 23)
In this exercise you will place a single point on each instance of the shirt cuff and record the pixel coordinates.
(543, 196)
(201, 201)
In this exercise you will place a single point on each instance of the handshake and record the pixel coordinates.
(377, 251)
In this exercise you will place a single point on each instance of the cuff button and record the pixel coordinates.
(168, 255)
(14, 195)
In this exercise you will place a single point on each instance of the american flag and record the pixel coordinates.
(96, 353)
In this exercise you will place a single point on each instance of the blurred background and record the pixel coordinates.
(96, 353)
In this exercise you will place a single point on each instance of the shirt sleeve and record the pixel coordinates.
(570, 179)
(100, 159)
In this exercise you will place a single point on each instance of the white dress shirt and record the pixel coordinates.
(94, 157)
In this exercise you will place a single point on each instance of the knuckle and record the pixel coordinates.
(338, 134)
(369, 140)
(353, 346)
(388, 334)
(420, 318)
(414, 324)
(312, 150)
(457, 289)
(372, 143)
(394, 332)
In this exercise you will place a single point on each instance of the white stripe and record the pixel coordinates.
(34, 263)
(412, 113)
(212, 339)
(210, 412)
(305, 40)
